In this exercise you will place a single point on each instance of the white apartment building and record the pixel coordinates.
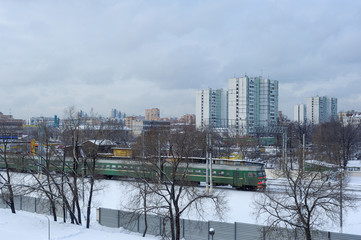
(211, 108)
(321, 109)
(252, 102)
(299, 114)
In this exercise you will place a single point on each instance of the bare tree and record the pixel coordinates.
(171, 192)
(52, 175)
(247, 146)
(307, 201)
(72, 136)
(335, 142)
(46, 161)
(98, 135)
(9, 132)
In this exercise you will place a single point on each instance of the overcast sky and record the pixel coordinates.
(132, 55)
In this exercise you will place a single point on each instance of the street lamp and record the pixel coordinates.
(48, 226)
(212, 232)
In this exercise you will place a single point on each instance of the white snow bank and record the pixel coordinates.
(31, 226)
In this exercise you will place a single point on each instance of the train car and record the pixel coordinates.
(249, 176)
(242, 175)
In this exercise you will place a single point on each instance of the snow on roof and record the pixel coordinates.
(104, 142)
(316, 162)
(354, 163)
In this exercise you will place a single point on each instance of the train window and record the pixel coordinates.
(131, 167)
(114, 166)
(119, 167)
(251, 175)
(204, 172)
(260, 174)
(108, 166)
(198, 171)
(221, 173)
(227, 174)
(214, 172)
(138, 168)
(125, 167)
(190, 170)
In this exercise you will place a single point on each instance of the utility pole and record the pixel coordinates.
(211, 164)
(341, 198)
(207, 161)
(159, 159)
(303, 151)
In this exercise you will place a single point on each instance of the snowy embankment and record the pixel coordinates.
(31, 226)
(118, 195)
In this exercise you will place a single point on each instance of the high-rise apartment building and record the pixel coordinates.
(252, 102)
(211, 108)
(321, 109)
(299, 114)
(152, 114)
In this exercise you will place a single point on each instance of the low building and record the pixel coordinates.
(350, 117)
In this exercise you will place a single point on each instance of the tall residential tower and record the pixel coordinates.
(321, 109)
(211, 108)
(299, 114)
(252, 102)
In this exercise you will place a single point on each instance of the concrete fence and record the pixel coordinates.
(34, 205)
(190, 229)
(198, 230)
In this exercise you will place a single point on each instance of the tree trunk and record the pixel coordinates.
(145, 211)
(11, 199)
(89, 202)
(10, 188)
(172, 225)
(308, 234)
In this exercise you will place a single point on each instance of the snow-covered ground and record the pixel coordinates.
(117, 195)
(31, 226)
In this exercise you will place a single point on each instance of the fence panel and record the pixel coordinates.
(2, 203)
(153, 223)
(128, 221)
(195, 230)
(166, 228)
(344, 236)
(17, 202)
(223, 231)
(109, 217)
(28, 204)
(59, 210)
(319, 235)
(43, 206)
(245, 231)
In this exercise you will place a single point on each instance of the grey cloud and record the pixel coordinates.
(106, 53)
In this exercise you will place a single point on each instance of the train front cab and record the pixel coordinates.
(261, 184)
(249, 180)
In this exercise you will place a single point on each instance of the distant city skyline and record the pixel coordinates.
(134, 54)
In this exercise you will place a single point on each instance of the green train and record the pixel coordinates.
(243, 175)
